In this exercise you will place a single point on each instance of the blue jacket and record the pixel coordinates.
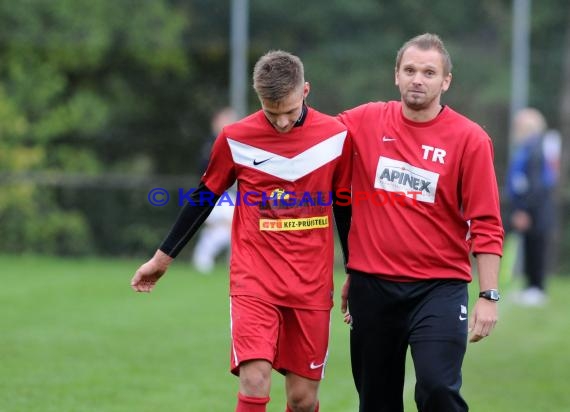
(531, 182)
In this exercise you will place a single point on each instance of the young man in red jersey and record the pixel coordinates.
(287, 159)
(409, 260)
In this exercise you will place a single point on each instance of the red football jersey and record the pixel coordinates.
(282, 233)
(424, 194)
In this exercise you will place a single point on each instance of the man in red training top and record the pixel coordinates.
(408, 259)
(287, 159)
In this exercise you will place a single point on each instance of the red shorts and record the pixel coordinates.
(292, 340)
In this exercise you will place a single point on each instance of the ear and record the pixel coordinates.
(306, 89)
(396, 82)
(446, 82)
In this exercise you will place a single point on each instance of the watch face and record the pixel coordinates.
(490, 295)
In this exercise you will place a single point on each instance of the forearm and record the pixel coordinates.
(342, 216)
(162, 260)
(488, 271)
(191, 217)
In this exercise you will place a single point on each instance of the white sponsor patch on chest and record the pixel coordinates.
(397, 176)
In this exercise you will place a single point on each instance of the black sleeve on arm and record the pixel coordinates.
(342, 216)
(190, 218)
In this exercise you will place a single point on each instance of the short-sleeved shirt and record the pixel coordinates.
(282, 233)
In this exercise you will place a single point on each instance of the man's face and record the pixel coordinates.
(421, 79)
(284, 114)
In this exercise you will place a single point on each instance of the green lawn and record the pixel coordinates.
(74, 337)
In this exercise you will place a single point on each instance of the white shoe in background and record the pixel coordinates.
(532, 296)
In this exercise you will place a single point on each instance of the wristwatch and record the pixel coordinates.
(491, 294)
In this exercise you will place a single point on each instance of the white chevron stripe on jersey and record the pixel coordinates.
(285, 168)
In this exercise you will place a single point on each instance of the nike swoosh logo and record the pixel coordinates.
(256, 163)
(289, 168)
(462, 317)
(387, 139)
(313, 366)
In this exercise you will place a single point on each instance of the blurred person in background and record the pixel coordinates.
(215, 236)
(531, 181)
(221, 118)
(281, 268)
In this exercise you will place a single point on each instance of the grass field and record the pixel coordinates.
(74, 337)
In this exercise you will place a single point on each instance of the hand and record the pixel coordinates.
(147, 275)
(344, 300)
(521, 221)
(483, 320)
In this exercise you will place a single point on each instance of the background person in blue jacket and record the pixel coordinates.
(531, 182)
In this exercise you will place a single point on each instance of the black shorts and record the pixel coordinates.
(428, 316)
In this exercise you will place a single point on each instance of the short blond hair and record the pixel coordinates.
(427, 41)
(277, 74)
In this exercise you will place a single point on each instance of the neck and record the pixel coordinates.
(422, 115)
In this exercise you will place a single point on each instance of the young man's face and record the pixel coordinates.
(284, 114)
(421, 79)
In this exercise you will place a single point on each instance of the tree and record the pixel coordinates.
(70, 73)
